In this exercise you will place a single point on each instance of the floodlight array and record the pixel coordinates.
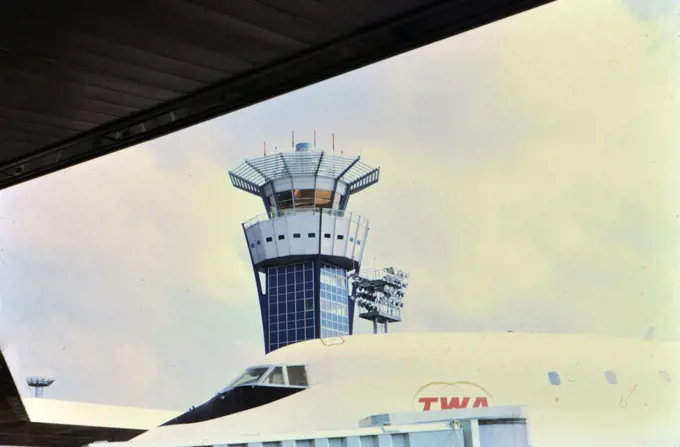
(381, 291)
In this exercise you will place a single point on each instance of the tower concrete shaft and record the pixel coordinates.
(305, 245)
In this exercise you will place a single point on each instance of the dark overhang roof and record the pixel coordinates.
(12, 410)
(30, 434)
(81, 78)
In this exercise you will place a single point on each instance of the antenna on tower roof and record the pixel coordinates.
(292, 141)
(265, 148)
(333, 143)
(314, 138)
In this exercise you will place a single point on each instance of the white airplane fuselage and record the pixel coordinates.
(576, 389)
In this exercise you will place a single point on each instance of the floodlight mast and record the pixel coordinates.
(380, 294)
(38, 384)
(307, 243)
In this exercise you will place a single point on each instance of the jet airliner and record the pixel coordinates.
(577, 390)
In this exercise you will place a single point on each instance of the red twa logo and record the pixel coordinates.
(450, 396)
(453, 402)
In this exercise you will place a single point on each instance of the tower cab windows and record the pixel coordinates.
(305, 199)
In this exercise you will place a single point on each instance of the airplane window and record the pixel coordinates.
(297, 376)
(275, 377)
(252, 375)
(663, 375)
(611, 377)
(554, 378)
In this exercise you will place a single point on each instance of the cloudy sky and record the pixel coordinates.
(528, 182)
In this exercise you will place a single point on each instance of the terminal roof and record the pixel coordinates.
(81, 79)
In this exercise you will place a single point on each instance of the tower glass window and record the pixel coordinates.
(323, 198)
(291, 304)
(285, 199)
(334, 301)
(305, 198)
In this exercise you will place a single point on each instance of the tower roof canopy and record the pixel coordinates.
(253, 174)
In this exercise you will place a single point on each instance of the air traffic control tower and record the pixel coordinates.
(307, 242)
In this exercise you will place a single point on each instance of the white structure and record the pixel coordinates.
(306, 242)
(479, 427)
(576, 390)
(286, 234)
(73, 415)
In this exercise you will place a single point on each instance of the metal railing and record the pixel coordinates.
(306, 211)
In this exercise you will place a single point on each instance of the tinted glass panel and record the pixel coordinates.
(334, 301)
(304, 198)
(323, 198)
(275, 377)
(252, 375)
(285, 199)
(297, 376)
(289, 288)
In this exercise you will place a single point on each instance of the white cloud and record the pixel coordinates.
(567, 221)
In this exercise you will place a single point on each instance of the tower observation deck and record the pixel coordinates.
(306, 243)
